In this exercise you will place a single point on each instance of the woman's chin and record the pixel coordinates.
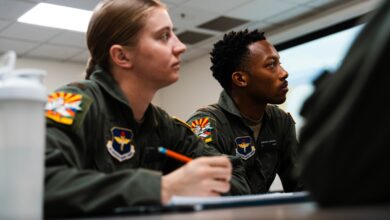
(169, 81)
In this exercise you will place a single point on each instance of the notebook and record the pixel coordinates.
(190, 204)
(237, 201)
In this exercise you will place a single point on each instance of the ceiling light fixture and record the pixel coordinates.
(57, 16)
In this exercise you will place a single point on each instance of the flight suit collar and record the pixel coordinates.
(107, 82)
(227, 103)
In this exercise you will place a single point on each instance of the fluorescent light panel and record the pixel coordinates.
(57, 16)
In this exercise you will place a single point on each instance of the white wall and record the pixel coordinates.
(195, 88)
(58, 73)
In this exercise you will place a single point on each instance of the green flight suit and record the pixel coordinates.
(222, 126)
(98, 157)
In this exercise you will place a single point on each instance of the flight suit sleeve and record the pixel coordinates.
(206, 126)
(288, 167)
(203, 126)
(72, 186)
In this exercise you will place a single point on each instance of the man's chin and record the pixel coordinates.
(278, 101)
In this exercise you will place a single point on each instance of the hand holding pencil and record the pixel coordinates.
(203, 176)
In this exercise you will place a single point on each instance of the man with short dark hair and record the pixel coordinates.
(243, 122)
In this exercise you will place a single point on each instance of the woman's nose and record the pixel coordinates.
(179, 47)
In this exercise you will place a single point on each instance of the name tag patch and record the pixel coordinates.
(269, 145)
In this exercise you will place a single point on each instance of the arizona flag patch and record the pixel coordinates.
(203, 128)
(62, 107)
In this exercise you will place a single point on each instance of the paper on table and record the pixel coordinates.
(257, 199)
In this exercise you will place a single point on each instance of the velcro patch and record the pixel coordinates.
(121, 146)
(203, 128)
(245, 147)
(61, 107)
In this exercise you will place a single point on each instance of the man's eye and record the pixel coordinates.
(271, 65)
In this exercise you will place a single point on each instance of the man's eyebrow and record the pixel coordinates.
(273, 57)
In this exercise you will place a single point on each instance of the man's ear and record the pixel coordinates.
(240, 79)
(120, 56)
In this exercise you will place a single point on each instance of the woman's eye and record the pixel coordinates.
(165, 36)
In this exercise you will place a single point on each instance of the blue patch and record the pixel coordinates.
(121, 145)
(244, 147)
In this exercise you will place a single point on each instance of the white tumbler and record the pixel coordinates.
(22, 143)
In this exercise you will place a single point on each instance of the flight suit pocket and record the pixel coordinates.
(269, 156)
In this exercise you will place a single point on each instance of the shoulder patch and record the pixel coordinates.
(62, 107)
(204, 127)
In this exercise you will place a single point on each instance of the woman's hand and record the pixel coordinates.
(204, 176)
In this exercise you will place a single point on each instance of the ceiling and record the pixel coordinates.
(198, 23)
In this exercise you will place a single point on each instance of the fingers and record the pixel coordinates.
(217, 186)
(214, 188)
(212, 194)
(204, 176)
(221, 161)
(219, 173)
(215, 167)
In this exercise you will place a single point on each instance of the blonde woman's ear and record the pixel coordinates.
(120, 56)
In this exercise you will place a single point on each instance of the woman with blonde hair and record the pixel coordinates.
(103, 132)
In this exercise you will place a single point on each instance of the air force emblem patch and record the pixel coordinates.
(245, 148)
(121, 146)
